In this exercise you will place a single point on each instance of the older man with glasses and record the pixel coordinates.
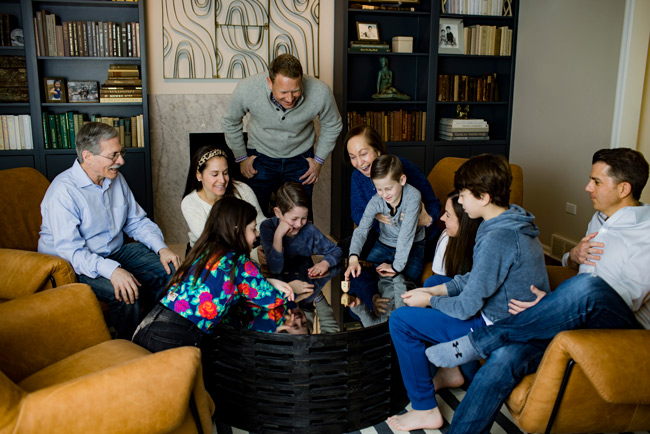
(86, 210)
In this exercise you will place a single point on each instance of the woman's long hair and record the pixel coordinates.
(460, 249)
(225, 230)
(198, 163)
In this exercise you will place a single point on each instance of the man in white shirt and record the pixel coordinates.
(86, 210)
(612, 291)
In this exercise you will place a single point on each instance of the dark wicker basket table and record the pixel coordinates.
(281, 383)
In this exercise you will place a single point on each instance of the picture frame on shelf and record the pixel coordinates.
(450, 36)
(83, 91)
(367, 32)
(55, 90)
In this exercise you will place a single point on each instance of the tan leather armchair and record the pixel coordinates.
(588, 381)
(62, 373)
(23, 270)
(441, 179)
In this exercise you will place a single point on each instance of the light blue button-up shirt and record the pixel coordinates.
(83, 222)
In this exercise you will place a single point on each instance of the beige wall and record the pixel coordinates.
(565, 88)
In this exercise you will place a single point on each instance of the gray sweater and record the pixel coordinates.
(277, 133)
(403, 231)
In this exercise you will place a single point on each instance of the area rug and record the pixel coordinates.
(448, 401)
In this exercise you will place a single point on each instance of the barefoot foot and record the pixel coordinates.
(448, 377)
(417, 419)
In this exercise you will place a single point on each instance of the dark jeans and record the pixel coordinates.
(145, 265)
(273, 172)
(163, 329)
(514, 346)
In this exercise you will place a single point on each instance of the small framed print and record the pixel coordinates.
(367, 32)
(83, 91)
(54, 89)
(451, 36)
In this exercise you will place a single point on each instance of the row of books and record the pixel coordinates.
(85, 38)
(463, 129)
(488, 40)
(122, 85)
(477, 7)
(393, 126)
(16, 132)
(60, 129)
(13, 79)
(452, 88)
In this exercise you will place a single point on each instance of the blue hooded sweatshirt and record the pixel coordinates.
(508, 258)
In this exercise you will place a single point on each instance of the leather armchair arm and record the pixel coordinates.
(614, 361)
(147, 394)
(24, 272)
(36, 331)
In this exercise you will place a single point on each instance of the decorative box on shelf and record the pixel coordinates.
(402, 44)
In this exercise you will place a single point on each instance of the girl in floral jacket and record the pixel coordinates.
(216, 275)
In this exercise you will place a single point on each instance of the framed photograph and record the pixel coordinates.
(367, 32)
(450, 36)
(83, 91)
(54, 89)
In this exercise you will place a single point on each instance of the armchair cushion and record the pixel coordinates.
(24, 272)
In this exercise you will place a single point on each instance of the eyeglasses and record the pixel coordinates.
(115, 156)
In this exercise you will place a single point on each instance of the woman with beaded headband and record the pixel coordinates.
(208, 180)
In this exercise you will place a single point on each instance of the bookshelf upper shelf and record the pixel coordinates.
(100, 3)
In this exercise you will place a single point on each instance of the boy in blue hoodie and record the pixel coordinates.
(507, 258)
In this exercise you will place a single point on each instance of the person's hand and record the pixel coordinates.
(167, 256)
(283, 287)
(586, 251)
(379, 304)
(383, 218)
(385, 270)
(301, 287)
(283, 229)
(312, 174)
(424, 219)
(246, 167)
(261, 256)
(416, 298)
(437, 290)
(353, 301)
(518, 306)
(354, 268)
(318, 269)
(125, 285)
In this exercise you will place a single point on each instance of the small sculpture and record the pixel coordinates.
(462, 113)
(385, 89)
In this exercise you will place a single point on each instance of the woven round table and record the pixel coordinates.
(281, 383)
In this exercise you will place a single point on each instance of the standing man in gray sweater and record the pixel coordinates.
(281, 137)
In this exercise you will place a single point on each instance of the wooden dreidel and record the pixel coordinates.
(345, 287)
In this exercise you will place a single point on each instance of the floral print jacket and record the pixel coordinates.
(207, 299)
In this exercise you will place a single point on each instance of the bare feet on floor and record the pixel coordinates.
(417, 419)
(448, 378)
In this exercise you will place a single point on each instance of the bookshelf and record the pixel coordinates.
(415, 74)
(51, 162)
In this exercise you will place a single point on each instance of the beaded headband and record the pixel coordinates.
(213, 153)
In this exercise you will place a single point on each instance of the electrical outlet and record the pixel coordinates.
(571, 208)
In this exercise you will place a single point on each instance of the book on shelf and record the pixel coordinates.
(476, 7)
(7, 23)
(368, 49)
(453, 138)
(13, 79)
(118, 99)
(16, 132)
(466, 123)
(453, 88)
(456, 133)
(60, 130)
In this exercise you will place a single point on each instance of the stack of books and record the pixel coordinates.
(369, 47)
(466, 88)
(122, 85)
(488, 40)
(13, 79)
(463, 129)
(16, 132)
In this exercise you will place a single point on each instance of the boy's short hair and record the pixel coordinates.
(387, 165)
(291, 195)
(486, 174)
(625, 165)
